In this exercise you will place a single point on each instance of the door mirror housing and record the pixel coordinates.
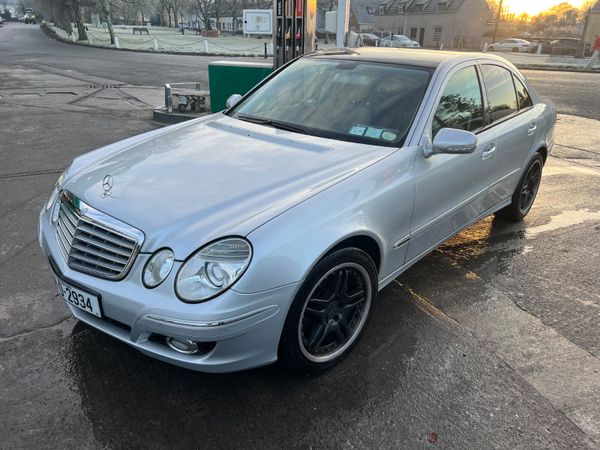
(232, 100)
(452, 141)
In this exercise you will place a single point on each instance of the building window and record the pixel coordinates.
(413, 33)
(437, 34)
(381, 9)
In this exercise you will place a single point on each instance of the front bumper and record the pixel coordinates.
(241, 330)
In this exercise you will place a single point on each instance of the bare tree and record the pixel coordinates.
(167, 6)
(76, 8)
(106, 12)
(203, 9)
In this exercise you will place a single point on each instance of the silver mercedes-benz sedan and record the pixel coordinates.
(265, 231)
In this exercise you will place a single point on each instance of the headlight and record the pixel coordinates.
(213, 269)
(158, 268)
(56, 190)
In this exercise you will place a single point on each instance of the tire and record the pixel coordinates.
(526, 191)
(515, 50)
(330, 312)
(491, 49)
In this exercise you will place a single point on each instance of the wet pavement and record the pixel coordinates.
(492, 341)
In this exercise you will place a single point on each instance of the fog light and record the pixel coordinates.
(182, 345)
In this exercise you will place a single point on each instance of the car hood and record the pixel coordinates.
(186, 185)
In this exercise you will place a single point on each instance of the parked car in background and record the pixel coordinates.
(511, 45)
(563, 46)
(276, 245)
(369, 40)
(381, 34)
(398, 41)
(29, 18)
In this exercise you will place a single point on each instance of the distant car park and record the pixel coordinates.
(511, 45)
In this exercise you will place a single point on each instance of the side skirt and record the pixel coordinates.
(383, 283)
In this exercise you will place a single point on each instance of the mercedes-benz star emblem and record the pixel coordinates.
(107, 184)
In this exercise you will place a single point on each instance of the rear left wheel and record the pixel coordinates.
(526, 191)
(330, 311)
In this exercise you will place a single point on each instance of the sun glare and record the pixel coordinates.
(534, 7)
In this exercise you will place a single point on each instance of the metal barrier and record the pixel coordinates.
(184, 96)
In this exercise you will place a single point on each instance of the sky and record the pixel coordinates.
(533, 7)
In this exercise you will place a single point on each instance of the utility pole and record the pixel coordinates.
(343, 17)
(497, 21)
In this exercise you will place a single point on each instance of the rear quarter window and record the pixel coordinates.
(523, 97)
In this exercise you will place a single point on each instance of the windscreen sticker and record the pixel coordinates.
(374, 133)
(357, 130)
(388, 136)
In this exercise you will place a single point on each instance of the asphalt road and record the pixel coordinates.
(490, 342)
(574, 93)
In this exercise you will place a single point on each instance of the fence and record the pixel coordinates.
(167, 41)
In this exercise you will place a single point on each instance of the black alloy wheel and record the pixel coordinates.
(330, 311)
(526, 191)
(530, 186)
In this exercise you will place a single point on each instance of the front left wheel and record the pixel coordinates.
(330, 311)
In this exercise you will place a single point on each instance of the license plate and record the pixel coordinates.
(79, 298)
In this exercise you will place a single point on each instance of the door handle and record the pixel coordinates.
(531, 129)
(488, 151)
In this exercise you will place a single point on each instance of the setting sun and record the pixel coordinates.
(533, 7)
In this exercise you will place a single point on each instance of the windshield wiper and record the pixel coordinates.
(272, 123)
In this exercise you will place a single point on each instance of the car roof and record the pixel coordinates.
(404, 56)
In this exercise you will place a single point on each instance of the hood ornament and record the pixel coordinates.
(107, 184)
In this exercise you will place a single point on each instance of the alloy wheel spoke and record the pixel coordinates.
(319, 313)
(341, 332)
(318, 335)
(348, 307)
(345, 330)
(341, 282)
(319, 301)
(358, 295)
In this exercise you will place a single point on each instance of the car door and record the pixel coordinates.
(512, 115)
(451, 190)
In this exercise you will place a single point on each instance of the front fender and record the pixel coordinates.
(376, 202)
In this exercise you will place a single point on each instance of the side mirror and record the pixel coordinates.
(452, 141)
(232, 100)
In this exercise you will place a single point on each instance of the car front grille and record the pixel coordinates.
(93, 242)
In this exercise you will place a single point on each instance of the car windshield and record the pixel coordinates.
(348, 100)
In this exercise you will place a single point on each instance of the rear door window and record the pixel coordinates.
(461, 104)
(502, 99)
